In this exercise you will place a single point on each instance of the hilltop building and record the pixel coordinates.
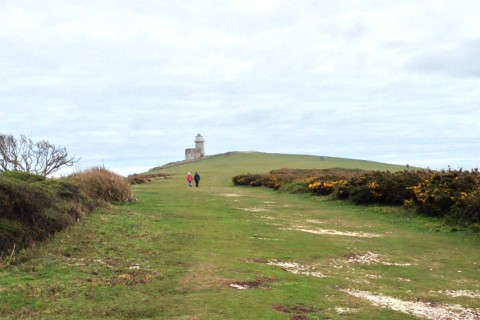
(198, 151)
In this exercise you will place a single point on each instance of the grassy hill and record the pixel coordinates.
(225, 166)
(226, 252)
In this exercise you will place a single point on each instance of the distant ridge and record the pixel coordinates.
(255, 161)
(180, 162)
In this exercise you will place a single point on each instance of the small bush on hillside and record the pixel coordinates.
(466, 210)
(445, 191)
(253, 180)
(100, 183)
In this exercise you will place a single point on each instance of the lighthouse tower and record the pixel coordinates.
(199, 144)
(198, 151)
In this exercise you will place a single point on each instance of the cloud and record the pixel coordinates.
(459, 61)
(131, 83)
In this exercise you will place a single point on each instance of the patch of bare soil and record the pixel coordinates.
(372, 257)
(297, 268)
(297, 311)
(461, 293)
(421, 309)
(335, 232)
(255, 284)
(315, 221)
(267, 239)
(364, 258)
(268, 218)
(231, 195)
(254, 209)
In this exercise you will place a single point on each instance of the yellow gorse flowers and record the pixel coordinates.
(326, 187)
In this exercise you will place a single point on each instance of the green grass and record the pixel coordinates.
(174, 253)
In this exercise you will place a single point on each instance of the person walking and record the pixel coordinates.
(197, 179)
(189, 179)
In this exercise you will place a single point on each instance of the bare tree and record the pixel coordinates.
(42, 158)
(8, 153)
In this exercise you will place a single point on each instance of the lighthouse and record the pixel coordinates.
(199, 144)
(198, 151)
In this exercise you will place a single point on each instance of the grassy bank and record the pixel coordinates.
(226, 252)
(33, 208)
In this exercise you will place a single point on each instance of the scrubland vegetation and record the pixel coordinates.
(33, 207)
(453, 195)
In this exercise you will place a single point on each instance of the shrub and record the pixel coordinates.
(382, 187)
(12, 234)
(32, 209)
(23, 176)
(144, 178)
(298, 178)
(326, 186)
(21, 200)
(466, 210)
(257, 180)
(437, 195)
(100, 183)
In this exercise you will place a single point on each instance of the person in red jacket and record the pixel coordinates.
(189, 179)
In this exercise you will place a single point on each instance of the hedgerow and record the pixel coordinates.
(33, 208)
(392, 188)
(453, 195)
(294, 179)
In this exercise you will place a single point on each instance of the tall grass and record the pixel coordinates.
(100, 183)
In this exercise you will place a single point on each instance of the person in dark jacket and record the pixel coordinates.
(197, 179)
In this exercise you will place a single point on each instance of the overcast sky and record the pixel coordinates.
(128, 84)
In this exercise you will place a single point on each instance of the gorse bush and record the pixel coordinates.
(296, 179)
(325, 185)
(383, 187)
(466, 210)
(450, 194)
(100, 183)
(259, 180)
